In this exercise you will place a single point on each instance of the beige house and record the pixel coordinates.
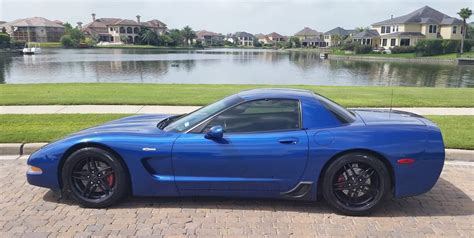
(243, 38)
(118, 30)
(271, 38)
(424, 23)
(336, 36)
(308, 33)
(209, 38)
(34, 29)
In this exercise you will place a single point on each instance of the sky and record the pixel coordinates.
(227, 16)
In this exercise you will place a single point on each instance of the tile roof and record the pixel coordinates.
(243, 34)
(424, 15)
(33, 22)
(339, 31)
(200, 34)
(274, 35)
(153, 23)
(308, 32)
(366, 34)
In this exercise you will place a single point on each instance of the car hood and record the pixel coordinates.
(131, 124)
(389, 117)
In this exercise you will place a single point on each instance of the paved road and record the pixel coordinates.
(143, 109)
(30, 211)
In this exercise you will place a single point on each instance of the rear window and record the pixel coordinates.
(342, 114)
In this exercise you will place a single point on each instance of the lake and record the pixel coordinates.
(221, 66)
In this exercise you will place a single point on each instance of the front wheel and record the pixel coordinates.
(94, 177)
(356, 184)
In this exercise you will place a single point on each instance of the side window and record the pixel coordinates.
(259, 115)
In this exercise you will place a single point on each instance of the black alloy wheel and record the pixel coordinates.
(94, 177)
(356, 184)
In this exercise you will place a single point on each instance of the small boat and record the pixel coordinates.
(30, 49)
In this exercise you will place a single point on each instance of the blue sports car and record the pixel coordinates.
(271, 143)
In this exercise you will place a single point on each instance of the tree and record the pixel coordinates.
(67, 41)
(67, 28)
(294, 42)
(188, 34)
(176, 36)
(150, 37)
(4, 30)
(361, 29)
(464, 13)
(336, 40)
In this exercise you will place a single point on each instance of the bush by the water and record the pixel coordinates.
(348, 46)
(4, 40)
(362, 49)
(438, 47)
(402, 49)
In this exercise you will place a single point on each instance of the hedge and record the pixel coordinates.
(438, 47)
(402, 49)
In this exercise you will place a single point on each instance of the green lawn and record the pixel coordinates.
(50, 44)
(457, 130)
(455, 55)
(189, 94)
(143, 47)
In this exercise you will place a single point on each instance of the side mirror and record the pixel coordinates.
(216, 132)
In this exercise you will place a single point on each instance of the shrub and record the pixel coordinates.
(67, 41)
(402, 49)
(348, 46)
(4, 40)
(362, 49)
(438, 47)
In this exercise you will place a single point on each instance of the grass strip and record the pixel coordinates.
(457, 130)
(191, 94)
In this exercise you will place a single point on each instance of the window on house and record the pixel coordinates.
(111, 29)
(384, 42)
(387, 29)
(455, 28)
(432, 29)
(404, 42)
(392, 42)
(383, 29)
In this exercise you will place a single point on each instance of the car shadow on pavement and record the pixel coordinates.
(445, 199)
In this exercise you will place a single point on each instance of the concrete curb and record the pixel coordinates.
(20, 149)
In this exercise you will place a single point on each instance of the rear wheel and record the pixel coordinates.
(356, 184)
(94, 177)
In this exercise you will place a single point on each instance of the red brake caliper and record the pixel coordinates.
(341, 179)
(110, 180)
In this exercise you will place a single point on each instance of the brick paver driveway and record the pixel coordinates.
(30, 211)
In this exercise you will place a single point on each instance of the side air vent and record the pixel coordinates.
(300, 190)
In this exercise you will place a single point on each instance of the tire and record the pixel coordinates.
(356, 184)
(94, 177)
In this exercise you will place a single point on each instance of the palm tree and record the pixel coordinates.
(464, 13)
(188, 34)
(150, 37)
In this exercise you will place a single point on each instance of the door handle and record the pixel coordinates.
(288, 141)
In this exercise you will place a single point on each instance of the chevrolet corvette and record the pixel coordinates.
(261, 143)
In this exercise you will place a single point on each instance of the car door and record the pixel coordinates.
(263, 148)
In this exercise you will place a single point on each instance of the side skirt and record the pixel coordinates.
(299, 191)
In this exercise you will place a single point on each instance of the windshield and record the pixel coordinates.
(188, 121)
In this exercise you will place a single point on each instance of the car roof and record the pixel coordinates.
(275, 93)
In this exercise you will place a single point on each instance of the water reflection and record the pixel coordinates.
(227, 66)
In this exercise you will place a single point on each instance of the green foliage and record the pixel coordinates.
(4, 38)
(402, 49)
(465, 13)
(67, 41)
(188, 34)
(72, 37)
(348, 46)
(176, 36)
(90, 42)
(293, 42)
(149, 37)
(438, 47)
(362, 49)
(4, 30)
(198, 44)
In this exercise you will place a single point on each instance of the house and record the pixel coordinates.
(308, 33)
(424, 23)
(335, 36)
(116, 30)
(367, 37)
(209, 38)
(243, 38)
(271, 38)
(34, 29)
(313, 42)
